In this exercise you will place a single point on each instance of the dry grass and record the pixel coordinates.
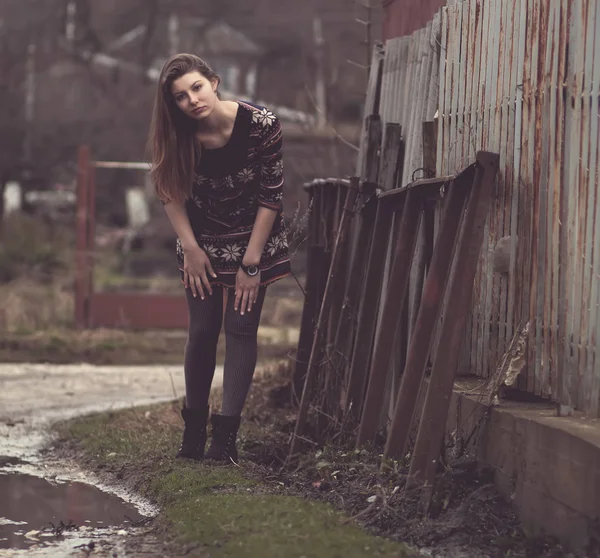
(28, 306)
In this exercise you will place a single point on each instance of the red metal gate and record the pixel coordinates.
(110, 309)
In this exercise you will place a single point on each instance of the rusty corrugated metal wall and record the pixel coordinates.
(520, 78)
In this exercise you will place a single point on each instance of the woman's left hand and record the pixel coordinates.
(246, 291)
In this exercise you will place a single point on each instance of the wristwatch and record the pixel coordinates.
(251, 270)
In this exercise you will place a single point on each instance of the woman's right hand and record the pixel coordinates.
(196, 269)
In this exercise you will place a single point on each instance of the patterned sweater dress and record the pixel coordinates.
(230, 184)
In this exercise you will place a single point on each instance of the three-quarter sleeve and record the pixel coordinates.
(271, 159)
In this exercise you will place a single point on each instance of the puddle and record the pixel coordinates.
(34, 510)
(7, 460)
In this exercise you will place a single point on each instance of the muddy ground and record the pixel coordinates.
(32, 399)
(468, 518)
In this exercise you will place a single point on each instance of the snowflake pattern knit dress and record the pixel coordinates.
(230, 184)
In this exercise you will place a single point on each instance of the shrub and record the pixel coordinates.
(33, 248)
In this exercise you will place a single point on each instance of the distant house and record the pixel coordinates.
(232, 54)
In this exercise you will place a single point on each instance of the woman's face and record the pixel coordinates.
(195, 95)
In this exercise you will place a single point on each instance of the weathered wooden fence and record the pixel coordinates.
(353, 325)
(403, 275)
(522, 79)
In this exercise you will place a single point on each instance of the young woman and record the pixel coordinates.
(217, 167)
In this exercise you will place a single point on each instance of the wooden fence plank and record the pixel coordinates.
(346, 327)
(421, 339)
(391, 310)
(437, 401)
(369, 305)
(323, 313)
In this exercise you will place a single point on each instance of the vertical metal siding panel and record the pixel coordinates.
(535, 191)
(445, 118)
(497, 213)
(484, 130)
(385, 84)
(459, 88)
(401, 78)
(441, 148)
(482, 144)
(398, 68)
(504, 174)
(521, 308)
(580, 191)
(529, 190)
(563, 137)
(474, 42)
(513, 316)
(590, 195)
(409, 114)
(487, 283)
(406, 89)
(433, 101)
(408, 109)
(456, 76)
(429, 84)
(456, 116)
(476, 145)
(510, 171)
(573, 145)
(416, 152)
(408, 103)
(394, 66)
(469, 57)
(450, 47)
(594, 360)
(541, 181)
(462, 137)
(554, 180)
(443, 50)
(390, 58)
(506, 163)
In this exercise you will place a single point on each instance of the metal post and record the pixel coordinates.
(81, 280)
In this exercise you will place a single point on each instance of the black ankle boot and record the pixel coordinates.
(194, 433)
(224, 432)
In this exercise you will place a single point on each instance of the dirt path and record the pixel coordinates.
(33, 396)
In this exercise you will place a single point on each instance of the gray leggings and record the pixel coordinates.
(205, 320)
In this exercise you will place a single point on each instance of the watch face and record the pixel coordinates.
(252, 270)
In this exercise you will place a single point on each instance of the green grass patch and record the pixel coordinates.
(227, 511)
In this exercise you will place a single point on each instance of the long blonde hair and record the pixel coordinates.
(171, 139)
